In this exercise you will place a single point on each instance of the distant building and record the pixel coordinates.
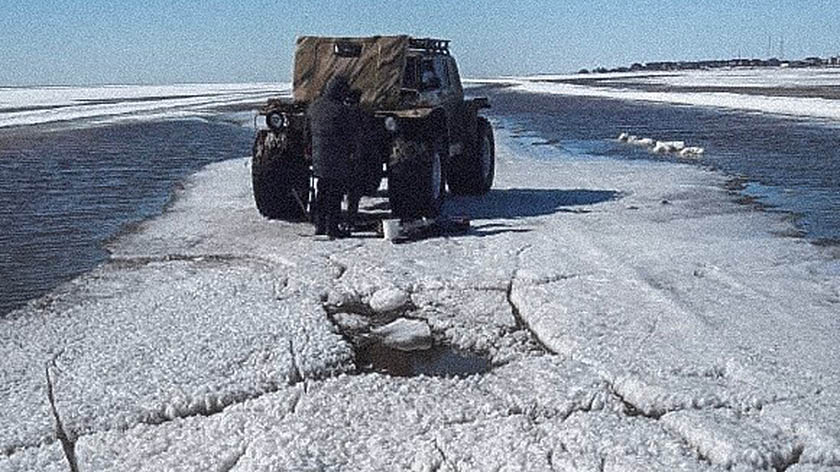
(812, 61)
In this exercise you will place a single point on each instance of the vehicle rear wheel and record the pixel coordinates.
(280, 177)
(415, 178)
(473, 172)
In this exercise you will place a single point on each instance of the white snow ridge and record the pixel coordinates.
(618, 333)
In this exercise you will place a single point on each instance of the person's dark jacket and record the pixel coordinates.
(334, 127)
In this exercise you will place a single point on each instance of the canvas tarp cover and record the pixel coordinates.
(376, 71)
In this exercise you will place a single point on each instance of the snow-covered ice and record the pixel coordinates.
(47, 458)
(726, 89)
(633, 315)
(113, 103)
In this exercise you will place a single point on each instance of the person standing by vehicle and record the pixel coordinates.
(333, 124)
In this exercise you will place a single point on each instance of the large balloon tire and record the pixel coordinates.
(473, 172)
(415, 178)
(280, 177)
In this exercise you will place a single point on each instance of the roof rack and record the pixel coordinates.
(429, 44)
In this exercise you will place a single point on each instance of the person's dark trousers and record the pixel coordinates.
(328, 206)
(353, 198)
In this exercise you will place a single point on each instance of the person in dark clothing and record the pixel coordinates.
(333, 124)
(354, 189)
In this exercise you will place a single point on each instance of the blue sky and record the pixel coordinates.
(157, 41)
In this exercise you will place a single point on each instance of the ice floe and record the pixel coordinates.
(615, 86)
(634, 335)
(113, 103)
(662, 147)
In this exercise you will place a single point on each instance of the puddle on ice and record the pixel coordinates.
(438, 361)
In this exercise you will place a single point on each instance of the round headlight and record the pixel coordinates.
(274, 120)
(391, 124)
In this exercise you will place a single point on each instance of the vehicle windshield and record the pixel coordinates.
(421, 74)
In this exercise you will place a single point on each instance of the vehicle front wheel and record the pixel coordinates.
(415, 178)
(280, 177)
(473, 172)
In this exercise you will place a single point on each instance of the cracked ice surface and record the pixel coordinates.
(635, 318)
(157, 341)
(46, 458)
(374, 422)
(187, 339)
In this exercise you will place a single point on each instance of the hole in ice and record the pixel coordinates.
(438, 361)
(401, 347)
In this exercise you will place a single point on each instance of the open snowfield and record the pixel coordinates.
(634, 316)
(796, 93)
(108, 104)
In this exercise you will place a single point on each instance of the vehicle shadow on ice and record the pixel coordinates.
(518, 203)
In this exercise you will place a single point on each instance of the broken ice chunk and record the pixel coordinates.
(351, 321)
(692, 151)
(405, 335)
(388, 299)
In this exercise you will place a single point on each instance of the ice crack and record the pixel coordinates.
(520, 322)
(629, 408)
(794, 459)
(296, 374)
(523, 250)
(446, 460)
(67, 443)
(549, 457)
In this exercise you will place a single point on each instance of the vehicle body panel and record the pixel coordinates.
(377, 71)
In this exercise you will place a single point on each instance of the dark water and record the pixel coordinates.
(63, 193)
(791, 165)
(438, 361)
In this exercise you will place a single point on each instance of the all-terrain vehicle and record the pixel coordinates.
(417, 129)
